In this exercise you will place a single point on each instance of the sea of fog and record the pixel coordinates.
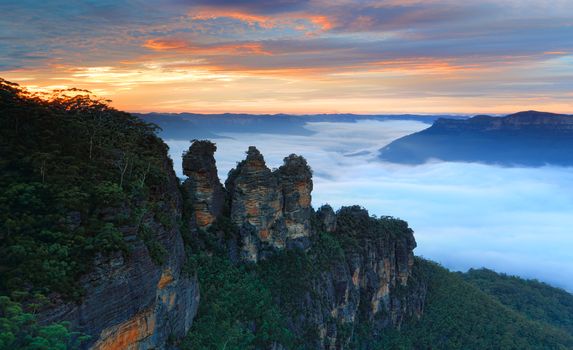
(513, 220)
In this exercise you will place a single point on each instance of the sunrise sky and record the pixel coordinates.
(295, 56)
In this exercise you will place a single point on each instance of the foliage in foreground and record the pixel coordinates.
(236, 310)
(71, 171)
(19, 331)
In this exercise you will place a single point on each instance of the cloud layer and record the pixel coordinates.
(513, 220)
(296, 56)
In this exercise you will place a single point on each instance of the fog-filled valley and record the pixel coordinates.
(514, 220)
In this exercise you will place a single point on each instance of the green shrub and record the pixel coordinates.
(19, 331)
(236, 309)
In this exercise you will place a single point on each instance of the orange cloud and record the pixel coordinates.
(165, 44)
(322, 21)
(427, 65)
(245, 48)
(251, 19)
(264, 21)
(555, 53)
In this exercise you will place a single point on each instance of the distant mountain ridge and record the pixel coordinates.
(200, 126)
(521, 121)
(529, 138)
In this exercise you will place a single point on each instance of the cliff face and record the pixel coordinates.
(131, 300)
(369, 285)
(203, 186)
(295, 180)
(256, 206)
(522, 139)
(522, 121)
(272, 209)
(134, 301)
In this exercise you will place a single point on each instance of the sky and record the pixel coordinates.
(297, 56)
(464, 215)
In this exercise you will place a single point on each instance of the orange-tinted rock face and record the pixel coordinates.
(296, 184)
(271, 208)
(174, 306)
(256, 205)
(205, 191)
(203, 217)
(129, 334)
(166, 279)
(303, 189)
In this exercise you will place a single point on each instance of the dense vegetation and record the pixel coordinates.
(19, 330)
(73, 171)
(244, 306)
(69, 167)
(460, 316)
(534, 299)
(236, 309)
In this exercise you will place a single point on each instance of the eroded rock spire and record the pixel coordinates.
(203, 186)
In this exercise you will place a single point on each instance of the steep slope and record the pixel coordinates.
(526, 138)
(536, 300)
(89, 212)
(202, 184)
(460, 316)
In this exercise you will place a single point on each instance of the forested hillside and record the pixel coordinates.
(458, 315)
(536, 300)
(84, 187)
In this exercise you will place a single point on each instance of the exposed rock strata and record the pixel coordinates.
(132, 302)
(295, 180)
(372, 284)
(272, 209)
(206, 193)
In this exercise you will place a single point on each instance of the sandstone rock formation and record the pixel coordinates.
(132, 302)
(372, 284)
(256, 206)
(206, 193)
(272, 209)
(295, 180)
